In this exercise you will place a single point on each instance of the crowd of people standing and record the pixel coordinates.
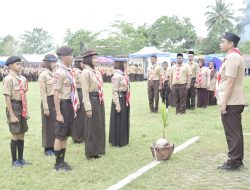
(72, 100)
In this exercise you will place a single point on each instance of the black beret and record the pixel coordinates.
(88, 52)
(191, 52)
(154, 56)
(64, 51)
(12, 59)
(179, 54)
(78, 58)
(50, 57)
(232, 37)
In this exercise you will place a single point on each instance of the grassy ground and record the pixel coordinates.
(192, 168)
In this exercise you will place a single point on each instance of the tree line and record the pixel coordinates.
(168, 33)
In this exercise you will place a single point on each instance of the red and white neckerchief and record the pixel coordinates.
(163, 77)
(199, 79)
(177, 76)
(234, 50)
(22, 92)
(151, 74)
(23, 97)
(73, 94)
(100, 86)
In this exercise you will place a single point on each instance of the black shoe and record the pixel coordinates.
(16, 164)
(62, 167)
(49, 153)
(229, 168)
(67, 167)
(59, 167)
(24, 163)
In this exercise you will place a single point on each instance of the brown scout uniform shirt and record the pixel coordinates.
(205, 78)
(232, 67)
(11, 85)
(194, 68)
(119, 84)
(154, 72)
(90, 84)
(213, 80)
(165, 75)
(62, 82)
(185, 71)
(46, 81)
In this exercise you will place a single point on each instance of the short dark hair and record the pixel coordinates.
(119, 65)
(154, 56)
(88, 61)
(179, 54)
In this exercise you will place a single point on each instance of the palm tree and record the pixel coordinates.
(220, 17)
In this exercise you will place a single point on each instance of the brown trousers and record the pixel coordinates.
(234, 134)
(202, 100)
(180, 93)
(165, 94)
(153, 95)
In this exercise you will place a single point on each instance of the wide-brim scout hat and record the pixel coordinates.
(50, 57)
(12, 59)
(78, 59)
(64, 51)
(232, 37)
(88, 53)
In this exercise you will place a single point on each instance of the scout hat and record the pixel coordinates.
(232, 37)
(50, 57)
(88, 52)
(64, 51)
(12, 59)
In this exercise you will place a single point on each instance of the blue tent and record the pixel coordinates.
(217, 59)
(2, 63)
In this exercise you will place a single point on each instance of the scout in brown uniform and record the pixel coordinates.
(132, 72)
(191, 91)
(213, 78)
(141, 72)
(120, 108)
(66, 102)
(92, 91)
(231, 100)
(48, 112)
(202, 84)
(165, 84)
(14, 88)
(154, 84)
(180, 78)
(78, 125)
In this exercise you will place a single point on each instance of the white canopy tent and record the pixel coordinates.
(143, 56)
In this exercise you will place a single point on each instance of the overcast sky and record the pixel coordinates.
(55, 16)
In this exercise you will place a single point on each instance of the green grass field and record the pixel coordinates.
(192, 168)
